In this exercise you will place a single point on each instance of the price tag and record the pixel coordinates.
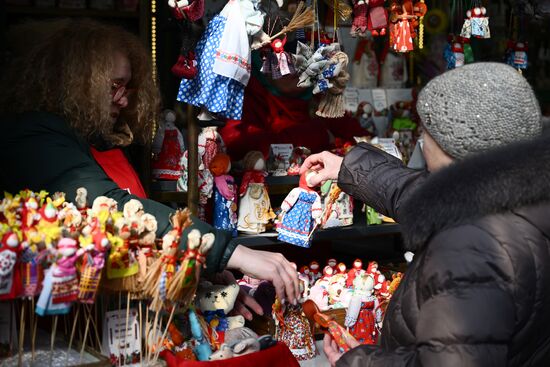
(122, 338)
(379, 99)
(351, 99)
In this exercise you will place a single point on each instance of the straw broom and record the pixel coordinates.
(303, 17)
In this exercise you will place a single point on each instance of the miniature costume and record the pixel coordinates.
(225, 194)
(223, 57)
(301, 212)
(278, 62)
(254, 206)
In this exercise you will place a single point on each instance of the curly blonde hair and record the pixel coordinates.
(67, 71)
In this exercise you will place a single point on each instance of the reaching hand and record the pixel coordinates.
(326, 164)
(331, 348)
(244, 302)
(270, 266)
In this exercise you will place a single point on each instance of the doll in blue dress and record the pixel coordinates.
(301, 213)
(223, 57)
(225, 194)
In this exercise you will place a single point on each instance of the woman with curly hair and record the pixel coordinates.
(74, 94)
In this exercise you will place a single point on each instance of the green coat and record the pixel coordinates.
(41, 152)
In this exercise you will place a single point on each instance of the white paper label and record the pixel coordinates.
(379, 99)
(351, 99)
(121, 338)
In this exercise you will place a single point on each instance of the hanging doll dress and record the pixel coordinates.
(223, 57)
(298, 220)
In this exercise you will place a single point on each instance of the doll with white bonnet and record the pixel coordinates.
(254, 206)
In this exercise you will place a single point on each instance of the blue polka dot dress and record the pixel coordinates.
(301, 207)
(217, 93)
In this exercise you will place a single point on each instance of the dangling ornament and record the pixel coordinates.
(277, 61)
(477, 23)
(517, 55)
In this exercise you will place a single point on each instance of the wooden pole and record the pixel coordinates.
(192, 161)
(52, 341)
(72, 332)
(21, 334)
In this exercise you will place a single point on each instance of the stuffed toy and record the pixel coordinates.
(215, 302)
(254, 206)
(225, 194)
(301, 213)
(238, 342)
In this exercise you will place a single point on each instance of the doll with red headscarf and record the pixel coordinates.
(301, 213)
(225, 194)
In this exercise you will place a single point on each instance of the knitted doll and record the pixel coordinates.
(60, 286)
(223, 57)
(254, 207)
(363, 313)
(166, 165)
(301, 212)
(225, 194)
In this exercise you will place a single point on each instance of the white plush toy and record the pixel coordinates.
(215, 302)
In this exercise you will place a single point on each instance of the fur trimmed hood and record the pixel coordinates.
(499, 181)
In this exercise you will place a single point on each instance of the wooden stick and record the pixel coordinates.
(34, 326)
(140, 331)
(96, 329)
(21, 334)
(165, 331)
(72, 333)
(119, 361)
(126, 327)
(88, 317)
(155, 321)
(52, 342)
(147, 328)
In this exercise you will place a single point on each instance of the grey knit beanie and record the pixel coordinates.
(477, 107)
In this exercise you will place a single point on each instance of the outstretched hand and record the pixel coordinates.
(326, 164)
(332, 351)
(244, 302)
(270, 266)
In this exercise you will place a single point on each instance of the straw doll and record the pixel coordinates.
(301, 213)
(184, 284)
(225, 194)
(162, 271)
(254, 207)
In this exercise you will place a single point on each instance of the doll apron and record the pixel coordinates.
(219, 92)
(297, 223)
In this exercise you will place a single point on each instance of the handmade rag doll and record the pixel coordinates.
(363, 313)
(254, 207)
(301, 213)
(225, 194)
(167, 164)
(223, 57)
(294, 329)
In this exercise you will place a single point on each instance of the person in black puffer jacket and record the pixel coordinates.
(477, 291)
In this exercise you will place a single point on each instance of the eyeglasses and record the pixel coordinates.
(118, 91)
